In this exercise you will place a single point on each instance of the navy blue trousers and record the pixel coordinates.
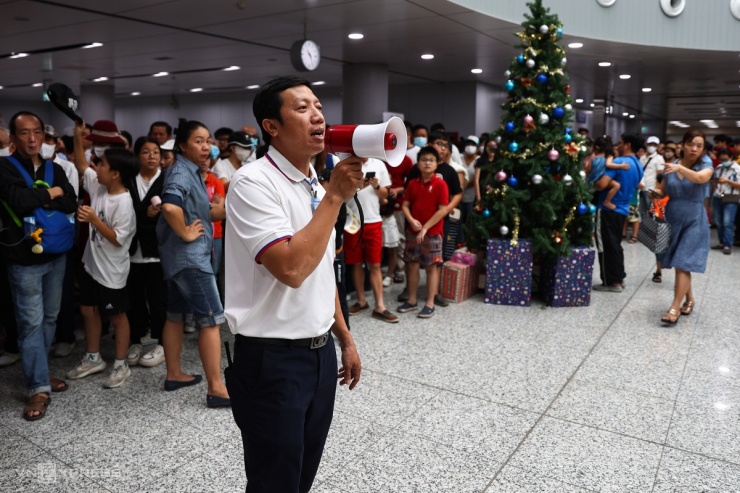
(282, 399)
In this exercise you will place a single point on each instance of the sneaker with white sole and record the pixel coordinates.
(86, 367)
(117, 377)
(134, 355)
(153, 358)
(189, 327)
(387, 281)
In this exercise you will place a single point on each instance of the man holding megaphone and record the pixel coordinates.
(281, 300)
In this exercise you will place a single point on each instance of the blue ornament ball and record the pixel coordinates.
(520, 59)
(558, 112)
(512, 181)
(486, 213)
(513, 147)
(592, 209)
(568, 130)
(509, 127)
(582, 209)
(509, 86)
(568, 139)
(541, 78)
(560, 32)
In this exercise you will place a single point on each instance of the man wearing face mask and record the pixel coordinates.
(240, 148)
(419, 134)
(253, 136)
(652, 166)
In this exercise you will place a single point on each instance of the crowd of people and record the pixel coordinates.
(151, 222)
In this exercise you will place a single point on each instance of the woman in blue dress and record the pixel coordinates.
(685, 182)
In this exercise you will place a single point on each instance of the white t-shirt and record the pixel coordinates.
(368, 197)
(72, 175)
(143, 186)
(223, 169)
(456, 158)
(655, 164)
(413, 153)
(105, 262)
(469, 192)
(266, 205)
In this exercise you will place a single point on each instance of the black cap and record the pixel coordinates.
(241, 139)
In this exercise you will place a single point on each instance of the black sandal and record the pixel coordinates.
(657, 277)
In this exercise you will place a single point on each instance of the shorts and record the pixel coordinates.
(428, 252)
(369, 249)
(194, 291)
(633, 216)
(109, 301)
(391, 236)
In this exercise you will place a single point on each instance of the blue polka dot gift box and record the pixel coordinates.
(567, 281)
(508, 272)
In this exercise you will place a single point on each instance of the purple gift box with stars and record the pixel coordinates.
(508, 272)
(567, 281)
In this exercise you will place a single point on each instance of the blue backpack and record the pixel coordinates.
(50, 231)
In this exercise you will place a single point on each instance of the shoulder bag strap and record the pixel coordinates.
(28, 181)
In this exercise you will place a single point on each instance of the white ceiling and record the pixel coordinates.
(142, 37)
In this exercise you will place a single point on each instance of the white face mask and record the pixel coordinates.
(651, 149)
(47, 151)
(242, 154)
(100, 150)
(5, 151)
(470, 150)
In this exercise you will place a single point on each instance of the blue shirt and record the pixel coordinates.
(184, 187)
(628, 179)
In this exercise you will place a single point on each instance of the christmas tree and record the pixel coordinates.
(535, 187)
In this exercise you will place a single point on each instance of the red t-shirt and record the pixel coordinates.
(398, 177)
(215, 186)
(424, 199)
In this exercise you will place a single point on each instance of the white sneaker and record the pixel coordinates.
(63, 349)
(134, 355)
(189, 326)
(117, 377)
(153, 358)
(387, 281)
(86, 367)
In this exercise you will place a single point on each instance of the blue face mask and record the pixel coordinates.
(214, 152)
(420, 141)
(726, 164)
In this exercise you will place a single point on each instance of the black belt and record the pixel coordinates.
(310, 342)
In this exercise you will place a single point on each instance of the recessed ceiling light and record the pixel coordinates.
(625, 76)
(196, 89)
(160, 74)
(738, 123)
(92, 45)
(355, 36)
(625, 113)
(646, 89)
(592, 105)
(2, 87)
(19, 55)
(318, 83)
(575, 45)
(232, 68)
(605, 64)
(253, 86)
(579, 100)
(427, 56)
(632, 116)
(476, 71)
(100, 79)
(136, 93)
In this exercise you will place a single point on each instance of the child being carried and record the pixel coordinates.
(603, 160)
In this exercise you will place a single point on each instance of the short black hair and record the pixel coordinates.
(437, 127)
(161, 124)
(127, 135)
(223, 132)
(428, 150)
(12, 126)
(724, 152)
(633, 140)
(439, 135)
(722, 138)
(139, 144)
(123, 161)
(268, 101)
(419, 126)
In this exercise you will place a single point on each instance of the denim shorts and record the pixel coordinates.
(194, 291)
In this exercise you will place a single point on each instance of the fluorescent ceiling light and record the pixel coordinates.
(136, 93)
(579, 100)
(476, 71)
(232, 68)
(625, 113)
(160, 74)
(318, 83)
(19, 55)
(605, 64)
(253, 86)
(355, 36)
(592, 105)
(196, 89)
(92, 45)
(100, 79)
(38, 84)
(632, 116)
(646, 89)
(625, 76)
(575, 45)
(738, 122)
(427, 56)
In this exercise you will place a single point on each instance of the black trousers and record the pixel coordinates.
(66, 319)
(282, 399)
(147, 294)
(7, 311)
(609, 226)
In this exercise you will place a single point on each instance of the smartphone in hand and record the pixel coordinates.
(370, 175)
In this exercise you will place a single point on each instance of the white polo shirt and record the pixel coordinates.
(265, 206)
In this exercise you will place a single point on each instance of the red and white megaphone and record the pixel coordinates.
(384, 141)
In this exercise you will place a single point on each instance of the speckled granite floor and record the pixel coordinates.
(478, 398)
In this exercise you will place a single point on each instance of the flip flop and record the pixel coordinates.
(38, 403)
(657, 277)
(632, 240)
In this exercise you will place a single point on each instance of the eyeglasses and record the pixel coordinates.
(428, 160)
(441, 143)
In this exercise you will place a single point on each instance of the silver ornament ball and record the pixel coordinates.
(583, 174)
(503, 230)
(507, 74)
(529, 63)
(567, 179)
(544, 119)
(544, 29)
(536, 179)
(498, 139)
(568, 106)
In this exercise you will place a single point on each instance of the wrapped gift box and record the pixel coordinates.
(458, 281)
(508, 272)
(567, 281)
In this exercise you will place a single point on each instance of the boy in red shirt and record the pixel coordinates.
(424, 206)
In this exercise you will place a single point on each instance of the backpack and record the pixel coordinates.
(50, 231)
